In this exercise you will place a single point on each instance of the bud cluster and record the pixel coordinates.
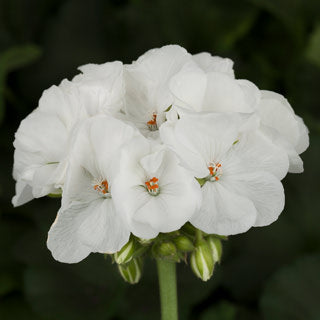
(204, 252)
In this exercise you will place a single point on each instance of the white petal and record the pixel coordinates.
(223, 212)
(303, 141)
(263, 189)
(209, 63)
(295, 162)
(101, 87)
(276, 112)
(255, 152)
(43, 133)
(82, 228)
(103, 229)
(147, 79)
(43, 180)
(23, 193)
(225, 94)
(189, 88)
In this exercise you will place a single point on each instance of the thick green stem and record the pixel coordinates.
(168, 289)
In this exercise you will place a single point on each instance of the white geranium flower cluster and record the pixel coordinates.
(144, 148)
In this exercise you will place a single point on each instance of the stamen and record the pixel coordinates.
(152, 186)
(215, 171)
(152, 124)
(101, 186)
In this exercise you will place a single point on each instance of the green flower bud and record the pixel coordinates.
(145, 242)
(184, 244)
(166, 249)
(216, 248)
(126, 252)
(131, 271)
(201, 261)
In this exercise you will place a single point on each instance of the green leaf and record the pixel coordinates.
(313, 48)
(12, 59)
(18, 57)
(293, 292)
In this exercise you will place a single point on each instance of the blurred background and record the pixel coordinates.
(266, 273)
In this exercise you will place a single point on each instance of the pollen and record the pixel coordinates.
(215, 171)
(152, 124)
(101, 186)
(152, 186)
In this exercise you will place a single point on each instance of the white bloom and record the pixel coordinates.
(147, 92)
(198, 90)
(87, 221)
(240, 172)
(284, 127)
(153, 191)
(43, 138)
(41, 143)
(209, 63)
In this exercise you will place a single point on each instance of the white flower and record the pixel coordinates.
(153, 191)
(41, 143)
(209, 63)
(147, 91)
(198, 90)
(240, 172)
(43, 138)
(286, 129)
(87, 221)
(102, 87)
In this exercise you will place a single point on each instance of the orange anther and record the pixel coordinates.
(102, 187)
(153, 121)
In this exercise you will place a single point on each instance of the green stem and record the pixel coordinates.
(168, 289)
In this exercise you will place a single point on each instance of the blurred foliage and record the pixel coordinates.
(267, 273)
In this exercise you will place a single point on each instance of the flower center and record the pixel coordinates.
(215, 171)
(152, 124)
(152, 186)
(101, 186)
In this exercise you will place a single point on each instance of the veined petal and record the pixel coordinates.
(263, 189)
(75, 234)
(224, 212)
(103, 230)
(255, 152)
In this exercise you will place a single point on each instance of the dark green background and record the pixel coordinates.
(268, 273)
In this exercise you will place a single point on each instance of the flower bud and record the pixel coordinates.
(145, 242)
(184, 244)
(216, 248)
(201, 261)
(166, 249)
(126, 252)
(131, 271)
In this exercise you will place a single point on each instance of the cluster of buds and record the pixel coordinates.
(202, 250)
